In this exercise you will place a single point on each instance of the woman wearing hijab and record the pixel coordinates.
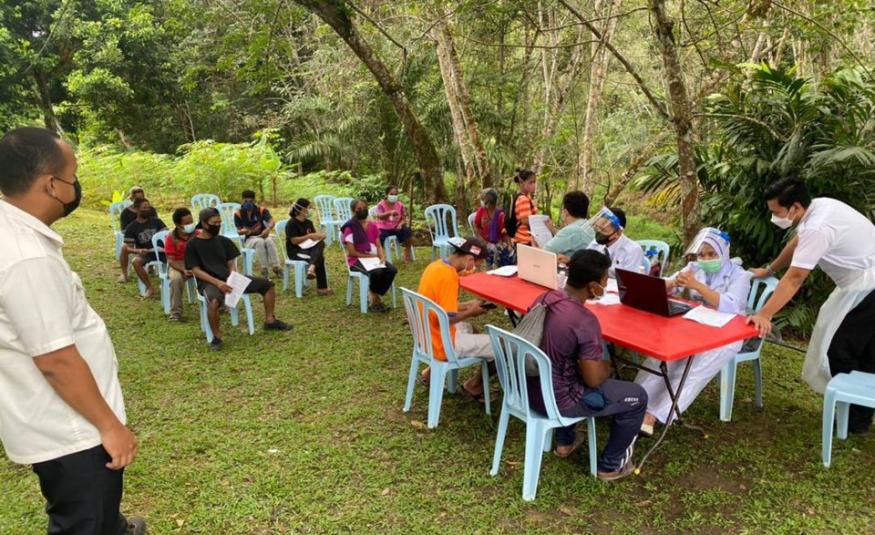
(720, 284)
(362, 241)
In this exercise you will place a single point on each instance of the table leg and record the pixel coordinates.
(514, 319)
(674, 404)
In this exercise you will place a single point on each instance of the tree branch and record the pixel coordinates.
(775, 134)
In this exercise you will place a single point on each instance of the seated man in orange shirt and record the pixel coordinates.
(440, 283)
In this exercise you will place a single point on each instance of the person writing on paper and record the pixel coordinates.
(841, 241)
(362, 241)
(489, 221)
(389, 219)
(211, 257)
(524, 207)
(575, 235)
(440, 283)
(718, 283)
(610, 238)
(581, 376)
(299, 230)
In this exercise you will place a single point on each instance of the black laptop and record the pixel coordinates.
(647, 293)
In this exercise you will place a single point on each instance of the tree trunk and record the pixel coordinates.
(598, 74)
(45, 102)
(335, 14)
(681, 116)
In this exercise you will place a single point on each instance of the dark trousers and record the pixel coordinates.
(379, 280)
(82, 494)
(316, 257)
(627, 403)
(853, 349)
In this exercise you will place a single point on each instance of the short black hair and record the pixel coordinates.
(577, 204)
(247, 194)
(490, 195)
(787, 191)
(299, 205)
(179, 213)
(355, 202)
(621, 215)
(522, 175)
(26, 153)
(390, 187)
(139, 201)
(207, 213)
(586, 266)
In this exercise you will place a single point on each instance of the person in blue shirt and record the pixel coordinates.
(254, 224)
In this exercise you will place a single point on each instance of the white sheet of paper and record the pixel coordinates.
(612, 286)
(371, 264)
(504, 271)
(607, 300)
(306, 244)
(538, 227)
(709, 316)
(238, 284)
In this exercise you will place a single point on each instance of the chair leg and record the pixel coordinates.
(727, 389)
(842, 410)
(499, 440)
(300, 275)
(535, 435)
(758, 382)
(548, 440)
(250, 320)
(349, 283)
(165, 294)
(411, 383)
(828, 420)
(452, 381)
(364, 285)
(286, 269)
(593, 446)
(205, 321)
(435, 394)
(485, 371)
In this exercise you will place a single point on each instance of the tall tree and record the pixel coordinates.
(335, 13)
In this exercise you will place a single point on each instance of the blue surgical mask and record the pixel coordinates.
(188, 229)
(392, 198)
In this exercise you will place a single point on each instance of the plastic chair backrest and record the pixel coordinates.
(115, 212)
(662, 250)
(645, 265)
(372, 211)
(419, 309)
(158, 246)
(511, 353)
(439, 218)
(325, 206)
(760, 291)
(226, 210)
(281, 236)
(471, 224)
(204, 200)
(343, 209)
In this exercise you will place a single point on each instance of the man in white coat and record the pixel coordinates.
(841, 241)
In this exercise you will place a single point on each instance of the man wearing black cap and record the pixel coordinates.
(440, 283)
(211, 258)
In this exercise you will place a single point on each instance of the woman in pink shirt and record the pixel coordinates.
(390, 220)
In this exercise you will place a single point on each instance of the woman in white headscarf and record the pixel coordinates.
(720, 284)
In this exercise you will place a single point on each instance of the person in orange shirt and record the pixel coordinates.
(440, 283)
(524, 207)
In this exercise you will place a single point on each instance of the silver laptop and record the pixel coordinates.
(538, 266)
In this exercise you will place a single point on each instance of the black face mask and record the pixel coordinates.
(602, 239)
(214, 230)
(361, 214)
(69, 207)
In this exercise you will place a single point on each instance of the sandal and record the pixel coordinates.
(473, 397)
(578, 440)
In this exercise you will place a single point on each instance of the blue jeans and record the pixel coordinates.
(627, 403)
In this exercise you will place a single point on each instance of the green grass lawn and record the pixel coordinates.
(303, 432)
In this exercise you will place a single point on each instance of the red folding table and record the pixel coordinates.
(664, 339)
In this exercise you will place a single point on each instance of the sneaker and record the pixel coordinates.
(379, 307)
(175, 317)
(277, 325)
(136, 525)
(625, 471)
(216, 345)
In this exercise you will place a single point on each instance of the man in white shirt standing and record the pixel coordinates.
(61, 405)
(841, 241)
(610, 238)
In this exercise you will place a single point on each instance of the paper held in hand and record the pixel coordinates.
(709, 316)
(371, 264)
(308, 243)
(238, 284)
(538, 227)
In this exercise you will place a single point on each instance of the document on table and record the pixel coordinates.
(612, 286)
(371, 263)
(608, 299)
(238, 284)
(504, 271)
(709, 316)
(539, 230)
(308, 243)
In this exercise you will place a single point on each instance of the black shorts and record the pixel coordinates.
(256, 286)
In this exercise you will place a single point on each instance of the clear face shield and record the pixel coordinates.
(701, 239)
(603, 225)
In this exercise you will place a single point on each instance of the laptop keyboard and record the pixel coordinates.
(676, 307)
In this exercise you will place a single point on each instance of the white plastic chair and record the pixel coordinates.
(115, 212)
(158, 241)
(364, 287)
(300, 266)
(328, 223)
(229, 228)
(474, 231)
(419, 310)
(204, 200)
(441, 220)
(760, 291)
(391, 242)
(842, 391)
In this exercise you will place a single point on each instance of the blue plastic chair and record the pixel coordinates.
(645, 266)
(204, 200)
(390, 244)
(419, 310)
(511, 353)
(843, 390)
(471, 217)
(300, 266)
(235, 315)
(164, 273)
(343, 211)
(328, 223)
(229, 229)
(441, 220)
(115, 212)
(364, 286)
(662, 249)
(760, 291)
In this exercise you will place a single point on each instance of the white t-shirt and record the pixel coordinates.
(625, 254)
(43, 309)
(837, 238)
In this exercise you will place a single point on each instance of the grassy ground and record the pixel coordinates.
(303, 432)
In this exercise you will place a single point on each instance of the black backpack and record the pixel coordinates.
(510, 221)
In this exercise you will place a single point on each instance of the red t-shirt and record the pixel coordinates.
(174, 247)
